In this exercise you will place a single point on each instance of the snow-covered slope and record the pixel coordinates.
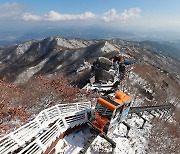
(73, 43)
(109, 47)
(58, 55)
(22, 48)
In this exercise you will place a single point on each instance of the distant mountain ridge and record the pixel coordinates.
(57, 55)
(162, 48)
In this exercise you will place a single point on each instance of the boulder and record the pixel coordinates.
(103, 63)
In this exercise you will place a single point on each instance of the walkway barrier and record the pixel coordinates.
(64, 115)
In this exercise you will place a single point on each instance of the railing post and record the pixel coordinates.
(59, 127)
(15, 139)
(42, 146)
(77, 106)
(37, 120)
(64, 122)
(45, 112)
(86, 116)
(58, 110)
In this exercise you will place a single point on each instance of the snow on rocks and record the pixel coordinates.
(136, 79)
(73, 142)
(72, 43)
(24, 76)
(84, 66)
(136, 143)
(59, 67)
(109, 47)
(22, 48)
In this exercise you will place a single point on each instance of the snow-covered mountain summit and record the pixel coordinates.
(56, 55)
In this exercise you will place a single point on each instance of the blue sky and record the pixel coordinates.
(97, 5)
(137, 15)
(154, 7)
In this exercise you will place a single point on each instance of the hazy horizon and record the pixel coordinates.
(158, 19)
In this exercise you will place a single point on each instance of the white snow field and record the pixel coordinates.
(136, 143)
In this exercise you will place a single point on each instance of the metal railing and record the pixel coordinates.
(38, 130)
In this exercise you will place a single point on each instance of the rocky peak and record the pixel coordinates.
(22, 48)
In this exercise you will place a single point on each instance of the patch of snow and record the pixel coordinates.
(136, 79)
(22, 48)
(109, 47)
(24, 76)
(8, 57)
(73, 142)
(78, 43)
(58, 67)
(137, 142)
(72, 43)
(39, 45)
(83, 66)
